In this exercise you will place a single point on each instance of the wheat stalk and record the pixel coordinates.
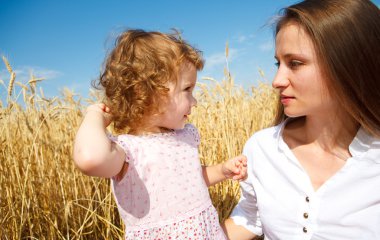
(11, 83)
(35, 80)
(5, 60)
(13, 75)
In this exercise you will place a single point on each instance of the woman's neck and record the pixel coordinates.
(330, 133)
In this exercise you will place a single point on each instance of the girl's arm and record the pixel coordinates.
(94, 153)
(234, 168)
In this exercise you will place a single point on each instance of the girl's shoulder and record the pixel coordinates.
(119, 137)
(190, 128)
(125, 141)
(189, 133)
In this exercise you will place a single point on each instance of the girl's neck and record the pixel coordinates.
(149, 131)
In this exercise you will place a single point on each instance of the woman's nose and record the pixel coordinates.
(281, 79)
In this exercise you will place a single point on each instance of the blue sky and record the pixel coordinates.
(65, 42)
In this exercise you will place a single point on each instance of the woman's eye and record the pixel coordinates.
(295, 63)
(277, 64)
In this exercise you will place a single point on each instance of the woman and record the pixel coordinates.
(316, 174)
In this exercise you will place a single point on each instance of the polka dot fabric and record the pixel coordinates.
(163, 195)
(201, 226)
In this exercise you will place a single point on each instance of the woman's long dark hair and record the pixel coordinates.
(346, 37)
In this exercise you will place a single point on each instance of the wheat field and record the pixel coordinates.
(43, 195)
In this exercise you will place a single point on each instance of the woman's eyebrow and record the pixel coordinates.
(292, 55)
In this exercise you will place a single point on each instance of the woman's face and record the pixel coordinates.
(299, 78)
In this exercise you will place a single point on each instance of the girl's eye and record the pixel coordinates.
(277, 64)
(188, 89)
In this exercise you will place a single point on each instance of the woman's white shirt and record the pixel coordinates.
(279, 201)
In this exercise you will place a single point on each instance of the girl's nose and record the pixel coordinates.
(193, 101)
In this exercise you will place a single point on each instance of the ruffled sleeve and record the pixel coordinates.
(122, 141)
(194, 134)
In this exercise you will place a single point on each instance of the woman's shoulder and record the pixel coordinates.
(366, 146)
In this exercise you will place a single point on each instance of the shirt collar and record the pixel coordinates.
(361, 143)
(282, 146)
(365, 146)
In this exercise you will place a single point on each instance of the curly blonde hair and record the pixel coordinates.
(137, 72)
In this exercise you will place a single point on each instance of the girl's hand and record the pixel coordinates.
(235, 168)
(102, 109)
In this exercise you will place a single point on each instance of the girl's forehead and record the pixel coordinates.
(188, 73)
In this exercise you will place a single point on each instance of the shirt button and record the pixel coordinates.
(305, 215)
(304, 229)
(307, 199)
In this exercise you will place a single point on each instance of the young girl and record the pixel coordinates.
(158, 183)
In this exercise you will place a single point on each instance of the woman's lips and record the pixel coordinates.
(286, 99)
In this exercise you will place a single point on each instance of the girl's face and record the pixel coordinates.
(299, 77)
(180, 100)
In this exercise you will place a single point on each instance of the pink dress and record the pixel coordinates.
(163, 195)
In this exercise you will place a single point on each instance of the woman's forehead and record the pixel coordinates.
(293, 39)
